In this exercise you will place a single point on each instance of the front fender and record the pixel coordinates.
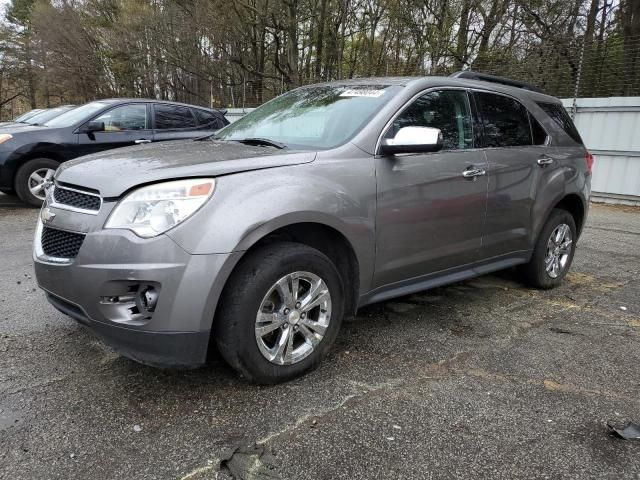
(247, 206)
(252, 236)
(11, 159)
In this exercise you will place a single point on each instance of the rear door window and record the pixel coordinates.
(505, 121)
(170, 117)
(559, 114)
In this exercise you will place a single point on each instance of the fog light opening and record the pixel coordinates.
(148, 298)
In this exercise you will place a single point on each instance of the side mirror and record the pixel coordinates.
(413, 140)
(92, 127)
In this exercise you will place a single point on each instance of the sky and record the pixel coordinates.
(3, 4)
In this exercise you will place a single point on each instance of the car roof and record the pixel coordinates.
(152, 100)
(419, 83)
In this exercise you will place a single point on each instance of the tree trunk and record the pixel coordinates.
(292, 41)
(322, 19)
(591, 22)
(463, 31)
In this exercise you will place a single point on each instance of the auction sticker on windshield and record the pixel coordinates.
(362, 93)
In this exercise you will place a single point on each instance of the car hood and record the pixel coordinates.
(15, 128)
(114, 172)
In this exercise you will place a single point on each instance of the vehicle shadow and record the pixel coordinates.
(431, 314)
(11, 201)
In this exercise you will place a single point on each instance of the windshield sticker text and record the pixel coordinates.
(362, 93)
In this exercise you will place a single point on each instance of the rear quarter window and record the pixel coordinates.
(538, 132)
(208, 119)
(559, 115)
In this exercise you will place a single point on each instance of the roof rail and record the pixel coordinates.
(484, 77)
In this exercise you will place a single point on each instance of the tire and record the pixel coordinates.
(24, 182)
(250, 290)
(536, 273)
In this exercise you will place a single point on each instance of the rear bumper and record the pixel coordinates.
(157, 349)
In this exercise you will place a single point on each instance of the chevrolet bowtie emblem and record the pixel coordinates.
(47, 215)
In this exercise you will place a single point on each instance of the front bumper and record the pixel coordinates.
(158, 349)
(103, 287)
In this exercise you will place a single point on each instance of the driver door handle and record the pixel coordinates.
(545, 160)
(141, 141)
(473, 172)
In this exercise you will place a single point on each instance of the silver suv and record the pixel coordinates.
(260, 239)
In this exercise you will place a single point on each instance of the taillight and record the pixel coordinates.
(588, 158)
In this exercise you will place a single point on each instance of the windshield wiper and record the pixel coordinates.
(260, 141)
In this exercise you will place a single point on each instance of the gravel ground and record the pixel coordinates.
(481, 379)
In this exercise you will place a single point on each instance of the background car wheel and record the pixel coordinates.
(32, 178)
(280, 312)
(553, 253)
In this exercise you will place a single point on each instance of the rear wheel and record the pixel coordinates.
(553, 253)
(32, 178)
(280, 312)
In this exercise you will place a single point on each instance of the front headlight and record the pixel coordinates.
(5, 137)
(154, 209)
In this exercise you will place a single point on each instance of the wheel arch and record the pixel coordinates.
(323, 237)
(573, 204)
(25, 158)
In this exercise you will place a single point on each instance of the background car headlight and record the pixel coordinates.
(5, 137)
(154, 209)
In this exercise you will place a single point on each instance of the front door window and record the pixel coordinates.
(124, 118)
(447, 110)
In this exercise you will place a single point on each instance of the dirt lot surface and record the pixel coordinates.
(481, 379)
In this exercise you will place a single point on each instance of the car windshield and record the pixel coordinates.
(47, 115)
(77, 115)
(318, 117)
(28, 115)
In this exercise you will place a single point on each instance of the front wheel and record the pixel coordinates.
(32, 179)
(280, 312)
(553, 253)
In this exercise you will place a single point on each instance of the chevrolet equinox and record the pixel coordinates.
(258, 240)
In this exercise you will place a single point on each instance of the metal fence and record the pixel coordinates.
(607, 67)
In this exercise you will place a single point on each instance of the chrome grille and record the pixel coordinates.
(76, 199)
(60, 243)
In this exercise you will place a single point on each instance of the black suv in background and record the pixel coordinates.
(30, 154)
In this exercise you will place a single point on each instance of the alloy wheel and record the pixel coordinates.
(38, 182)
(558, 250)
(293, 318)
